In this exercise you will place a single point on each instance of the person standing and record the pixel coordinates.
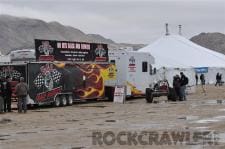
(196, 79)
(176, 86)
(21, 91)
(1, 97)
(183, 83)
(7, 93)
(202, 78)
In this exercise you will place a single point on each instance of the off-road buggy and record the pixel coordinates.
(161, 88)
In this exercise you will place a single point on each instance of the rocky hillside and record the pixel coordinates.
(214, 41)
(19, 33)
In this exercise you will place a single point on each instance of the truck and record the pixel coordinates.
(61, 83)
(134, 71)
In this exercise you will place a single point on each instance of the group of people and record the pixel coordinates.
(179, 84)
(21, 91)
(202, 79)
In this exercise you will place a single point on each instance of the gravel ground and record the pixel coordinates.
(73, 127)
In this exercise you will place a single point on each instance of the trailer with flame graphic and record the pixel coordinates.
(61, 83)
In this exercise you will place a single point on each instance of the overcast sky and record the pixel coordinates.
(133, 21)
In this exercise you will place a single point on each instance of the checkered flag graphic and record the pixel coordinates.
(39, 81)
(16, 74)
(56, 76)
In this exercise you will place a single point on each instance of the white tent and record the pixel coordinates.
(175, 51)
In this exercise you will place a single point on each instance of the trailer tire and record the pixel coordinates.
(149, 95)
(69, 100)
(63, 100)
(57, 101)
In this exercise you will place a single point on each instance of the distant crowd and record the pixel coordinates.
(21, 91)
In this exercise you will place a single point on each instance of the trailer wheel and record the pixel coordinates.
(63, 100)
(69, 100)
(149, 95)
(57, 101)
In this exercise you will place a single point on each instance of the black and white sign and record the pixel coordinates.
(119, 94)
(52, 50)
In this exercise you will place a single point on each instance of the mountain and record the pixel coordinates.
(213, 41)
(20, 32)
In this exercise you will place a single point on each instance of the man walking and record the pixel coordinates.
(183, 83)
(217, 79)
(21, 92)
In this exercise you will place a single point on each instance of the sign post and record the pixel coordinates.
(119, 94)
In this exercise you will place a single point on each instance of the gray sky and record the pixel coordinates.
(133, 21)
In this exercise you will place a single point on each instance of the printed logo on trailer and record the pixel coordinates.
(11, 72)
(45, 48)
(132, 65)
(100, 53)
(48, 77)
(46, 51)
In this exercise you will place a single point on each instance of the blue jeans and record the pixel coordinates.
(22, 104)
(182, 92)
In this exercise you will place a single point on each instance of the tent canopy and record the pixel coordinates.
(178, 52)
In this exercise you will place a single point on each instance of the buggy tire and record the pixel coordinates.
(149, 95)
(171, 94)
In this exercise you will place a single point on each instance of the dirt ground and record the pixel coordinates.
(73, 127)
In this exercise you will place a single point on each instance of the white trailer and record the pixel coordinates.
(133, 70)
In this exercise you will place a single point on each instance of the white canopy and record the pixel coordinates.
(175, 51)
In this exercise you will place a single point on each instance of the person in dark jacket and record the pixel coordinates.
(1, 97)
(217, 79)
(176, 86)
(7, 93)
(183, 83)
(202, 78)
(22, 92)
(196, 78)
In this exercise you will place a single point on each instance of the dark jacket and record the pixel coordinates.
(6, 88)
(183, 80)
(176, 82)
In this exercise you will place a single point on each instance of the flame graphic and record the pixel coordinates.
(94, 87)
(134, 90)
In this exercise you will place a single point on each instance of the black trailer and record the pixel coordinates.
(60, 83)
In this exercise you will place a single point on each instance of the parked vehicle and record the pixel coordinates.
(161, 88)
(133, 70)
(61, 83)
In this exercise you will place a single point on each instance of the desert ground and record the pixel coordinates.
(73, 127)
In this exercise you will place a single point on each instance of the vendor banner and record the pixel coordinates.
(52, 50)
(201, 70)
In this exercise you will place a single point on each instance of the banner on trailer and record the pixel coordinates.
(52, 50)
(201, 70)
